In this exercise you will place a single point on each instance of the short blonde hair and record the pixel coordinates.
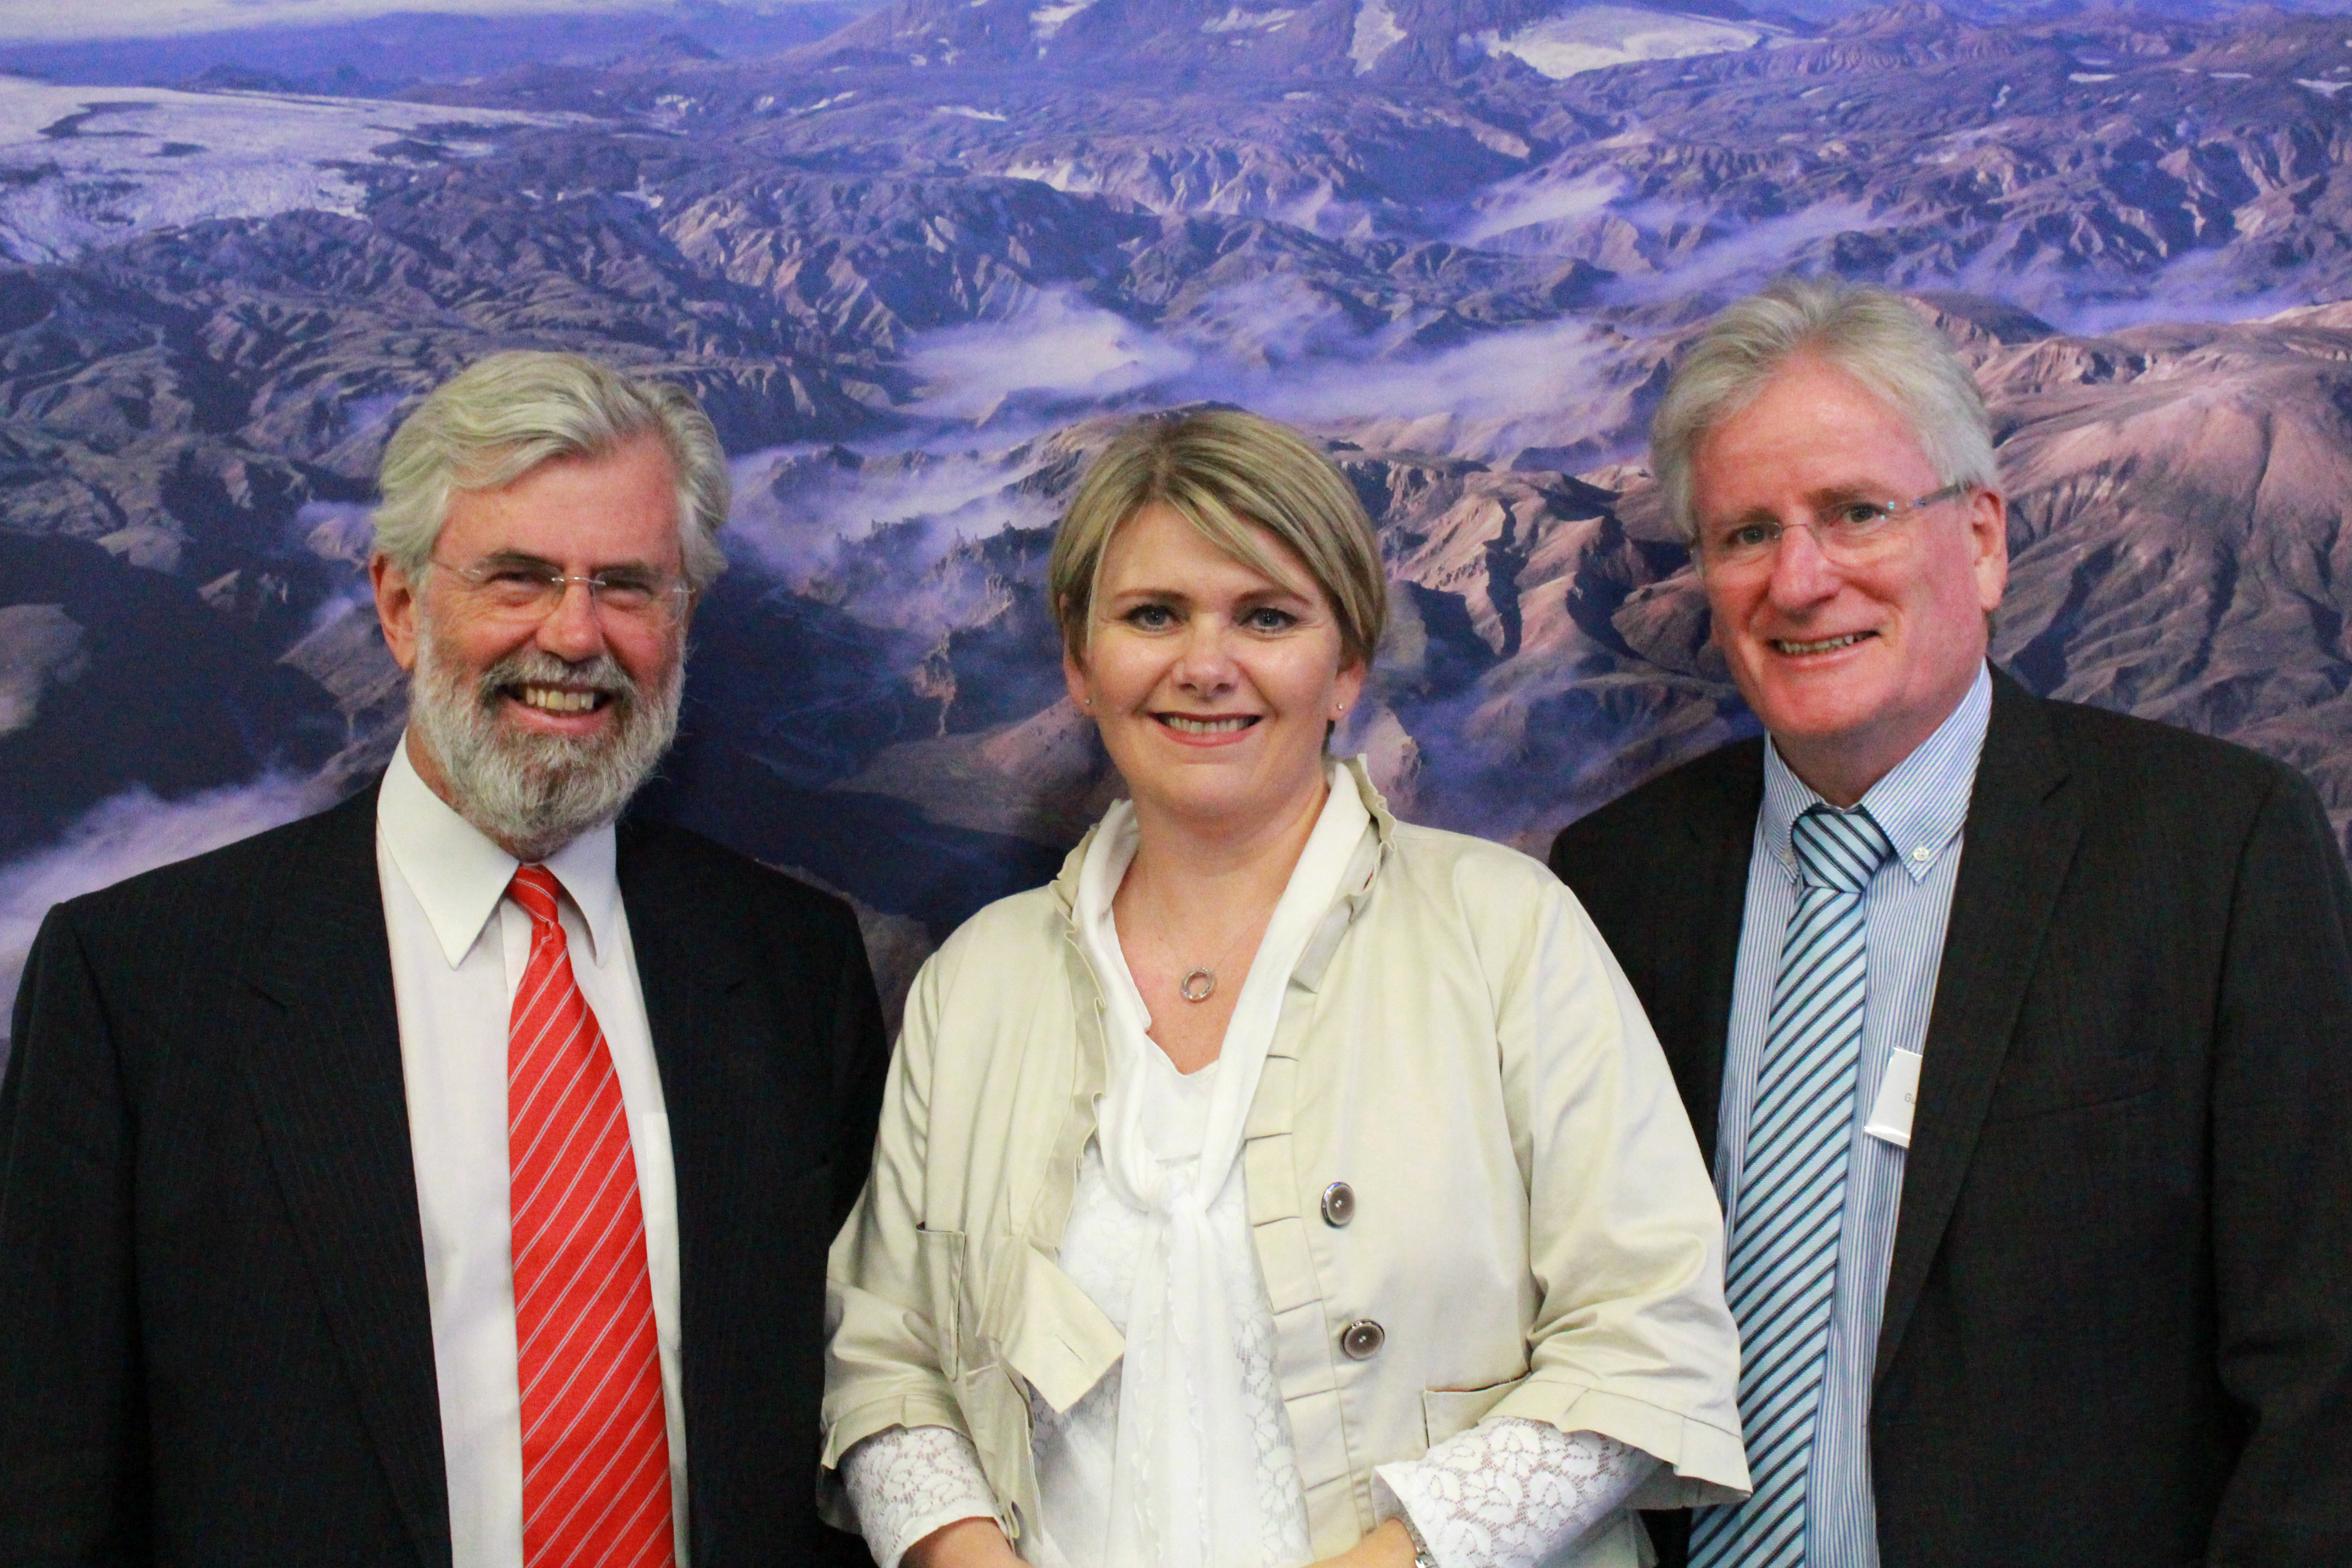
(501, 418)
(1223, 470)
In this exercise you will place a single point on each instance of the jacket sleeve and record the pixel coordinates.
(71, 1421)
(1631, 1338)
(890, 1282)
(2281, 1193)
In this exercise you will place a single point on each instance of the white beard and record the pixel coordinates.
(533, 793)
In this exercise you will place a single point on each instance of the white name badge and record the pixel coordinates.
(1899, 1091)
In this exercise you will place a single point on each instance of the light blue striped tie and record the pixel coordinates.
(1782, 1273)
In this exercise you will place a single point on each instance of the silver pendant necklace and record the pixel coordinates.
(1200, 982)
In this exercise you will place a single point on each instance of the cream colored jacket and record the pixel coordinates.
(1532, 1230)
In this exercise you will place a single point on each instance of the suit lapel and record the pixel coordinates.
(2022, 826)
(683, 973)
(325, 1073)
(1726, 837)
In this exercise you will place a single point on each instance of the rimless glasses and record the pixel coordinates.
(1845, 531)
(524, 587)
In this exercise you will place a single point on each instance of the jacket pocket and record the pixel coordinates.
(1058, 1340)
(939, 1254)
(2077, 1086)
(1446, 1412)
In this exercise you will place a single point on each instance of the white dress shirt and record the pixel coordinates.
(458, 949)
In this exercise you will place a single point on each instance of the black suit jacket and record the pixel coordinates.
(2118, 1318)
(214, 1344)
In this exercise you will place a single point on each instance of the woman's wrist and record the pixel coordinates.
(1422, 1557)
(1389, 1546)
(966, 1543)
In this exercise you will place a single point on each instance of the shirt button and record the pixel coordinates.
(1362, 1339)
(1339, 1204)
(1920, 853)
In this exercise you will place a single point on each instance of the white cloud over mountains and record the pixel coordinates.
(1060, 347)
(123, 836)
(1271, 346)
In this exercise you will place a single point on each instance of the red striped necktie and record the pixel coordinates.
(595, 1452)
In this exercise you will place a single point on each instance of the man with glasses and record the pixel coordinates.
(2018, 1034)
(446, 1178)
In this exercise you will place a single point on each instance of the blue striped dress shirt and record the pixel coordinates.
(1920, 806)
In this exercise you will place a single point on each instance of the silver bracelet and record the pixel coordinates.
(1422, 1557)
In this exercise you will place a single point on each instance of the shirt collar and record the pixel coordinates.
(458, 875)
(1921, 804)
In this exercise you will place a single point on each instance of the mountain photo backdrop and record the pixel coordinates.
(919, 261)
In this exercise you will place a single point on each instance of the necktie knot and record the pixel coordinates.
(1841, 850)
(533, 888)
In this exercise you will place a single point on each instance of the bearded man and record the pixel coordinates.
(445, 1179)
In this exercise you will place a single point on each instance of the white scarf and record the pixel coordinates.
(1184, 1491)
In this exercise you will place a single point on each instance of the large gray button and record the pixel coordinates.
(1339, 1204)
(1362, 1339)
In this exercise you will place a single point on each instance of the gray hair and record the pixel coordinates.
(1872, 335)
(499, 418)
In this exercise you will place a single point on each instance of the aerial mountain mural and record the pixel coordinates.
(920, 261)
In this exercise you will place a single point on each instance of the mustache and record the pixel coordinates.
(536, 667)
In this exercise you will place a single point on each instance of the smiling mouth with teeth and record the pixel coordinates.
(1827, 644)
(1185, 724)
(556, 700)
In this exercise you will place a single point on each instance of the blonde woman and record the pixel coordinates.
(1284, 1183)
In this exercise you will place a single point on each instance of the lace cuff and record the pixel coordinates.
(1509, 1492)
(904, 1482)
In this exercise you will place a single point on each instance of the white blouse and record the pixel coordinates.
(1101, 1252)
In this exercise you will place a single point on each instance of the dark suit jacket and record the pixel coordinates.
(2119, 1323)
(214, 1345)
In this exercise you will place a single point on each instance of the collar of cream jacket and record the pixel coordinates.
(1358, 881)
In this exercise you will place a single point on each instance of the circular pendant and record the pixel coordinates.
(1197, 986)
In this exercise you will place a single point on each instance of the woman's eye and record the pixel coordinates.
(1266, 618)
(1151, 618)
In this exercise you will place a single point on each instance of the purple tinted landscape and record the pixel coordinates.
(920, 261)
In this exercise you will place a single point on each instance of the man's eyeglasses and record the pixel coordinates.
(523, 587)
(1846, 532)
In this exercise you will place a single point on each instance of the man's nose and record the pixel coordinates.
(1802, 574)
(574, 629)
